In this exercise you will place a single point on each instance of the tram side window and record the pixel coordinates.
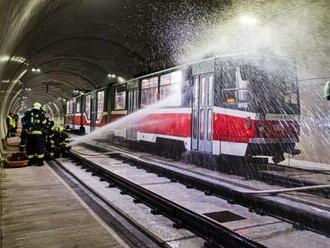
(74, 104)
(171, 84)
(71, 107)
(149, 93)
(100, 104)
(165, 86)
(78, 105)
(120, 97)
(68, 107)
(88, 106)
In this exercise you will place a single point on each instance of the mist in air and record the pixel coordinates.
(295, 31)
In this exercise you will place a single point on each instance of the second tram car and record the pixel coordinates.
(223, 106)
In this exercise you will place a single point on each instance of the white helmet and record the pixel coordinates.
(36, 105)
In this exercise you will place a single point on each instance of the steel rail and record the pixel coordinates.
(254, 173)
(215, 234)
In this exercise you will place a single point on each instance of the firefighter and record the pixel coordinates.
(49, 137)
(23, 134)
(61, 141)
(326, 94)
(35, 127)
(11, 125)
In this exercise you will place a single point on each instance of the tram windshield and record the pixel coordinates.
(256, 89)
(272, 92)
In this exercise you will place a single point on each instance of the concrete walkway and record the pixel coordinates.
(39, 210)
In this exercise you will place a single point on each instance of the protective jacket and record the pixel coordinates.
(11, 122)
(35, 121)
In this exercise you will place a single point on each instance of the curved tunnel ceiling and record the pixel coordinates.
(76, 44)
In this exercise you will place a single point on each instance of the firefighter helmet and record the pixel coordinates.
(36, 105)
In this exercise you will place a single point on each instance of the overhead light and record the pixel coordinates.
(4, 58)
(121, 79)
(5, 81)
(27, 89)
(111, 75)
(17, 59)
(36, 70)
(248, 20)
(75, 91)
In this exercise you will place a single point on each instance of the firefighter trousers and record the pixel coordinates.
(35, 148)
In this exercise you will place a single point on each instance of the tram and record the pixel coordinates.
(224, 106)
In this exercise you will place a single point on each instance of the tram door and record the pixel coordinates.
(93, 111)
(202, 113)
(132, 100)
(131, 132)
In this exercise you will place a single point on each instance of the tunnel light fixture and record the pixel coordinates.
(5, 81)
(121, 79)
(112, 75)
(36, 70)
(248, 20)
(20, 60)
(78, 92)
(16, 59)
(27, 89)
(4, 58)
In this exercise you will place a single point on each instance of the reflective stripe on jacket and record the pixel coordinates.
(36, 132)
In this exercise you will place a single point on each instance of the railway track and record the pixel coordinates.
(284, 176)
(211, 231)
(272, 174)
(295, 209)
(215, 234)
